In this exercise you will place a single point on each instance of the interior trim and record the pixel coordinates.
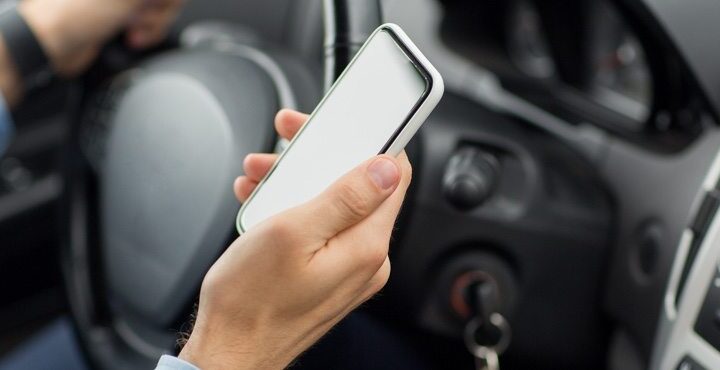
(676, 337)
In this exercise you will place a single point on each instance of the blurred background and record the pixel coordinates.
(590, 129)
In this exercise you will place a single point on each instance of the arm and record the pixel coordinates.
(72, 32)
(10, 84)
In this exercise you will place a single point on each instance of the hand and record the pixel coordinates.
(257, 165)
(72, 32)
(286, 282)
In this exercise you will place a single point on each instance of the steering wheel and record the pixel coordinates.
(148, 203)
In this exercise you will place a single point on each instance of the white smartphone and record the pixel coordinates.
(375, 107)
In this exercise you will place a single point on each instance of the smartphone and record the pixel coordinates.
(375, 107)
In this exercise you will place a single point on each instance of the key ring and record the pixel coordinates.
(480, 351)
(488, 360)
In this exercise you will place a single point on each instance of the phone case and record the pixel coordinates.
(414, 120)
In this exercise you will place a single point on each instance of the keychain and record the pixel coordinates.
(486, 359)
(479, 334)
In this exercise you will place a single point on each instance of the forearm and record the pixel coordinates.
(69, 33)
(10, 82)
(44, 27)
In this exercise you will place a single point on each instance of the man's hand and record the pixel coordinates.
(257, 165)
(286, 282)
(72, 32)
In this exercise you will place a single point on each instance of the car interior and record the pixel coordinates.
(565, 188)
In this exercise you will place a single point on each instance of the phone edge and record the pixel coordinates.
(407, 131)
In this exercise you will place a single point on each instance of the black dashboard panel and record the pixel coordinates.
(707, 324)
(689, 30)
(586, 61)
(654, 167)
(543, 235)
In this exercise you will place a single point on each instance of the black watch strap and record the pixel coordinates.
(24, 47)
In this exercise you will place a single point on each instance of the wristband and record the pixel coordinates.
(24, 48)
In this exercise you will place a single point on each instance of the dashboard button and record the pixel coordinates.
(688, 363)
(706, 212)
(707, 324)
(470, 177)
(699, 226)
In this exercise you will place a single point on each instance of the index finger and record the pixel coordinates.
(288, 122)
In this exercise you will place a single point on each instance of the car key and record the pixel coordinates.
(487, 335)
(486, 355)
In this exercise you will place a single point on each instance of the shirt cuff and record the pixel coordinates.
(173, 363)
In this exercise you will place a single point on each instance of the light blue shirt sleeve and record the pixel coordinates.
(6, 126)
(173, 363)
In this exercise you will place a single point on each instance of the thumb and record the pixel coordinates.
(354, 196)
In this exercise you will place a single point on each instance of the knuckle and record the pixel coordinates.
(375, 256)
(280, 229)
(212, 285)
(405, 165)
(209, 282)
(352, 203)
(408, 170)
(380, 279)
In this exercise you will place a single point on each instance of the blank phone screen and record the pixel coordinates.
(368, 104)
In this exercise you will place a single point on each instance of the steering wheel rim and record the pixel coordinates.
(112, 336)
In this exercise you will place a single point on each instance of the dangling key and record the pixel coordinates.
(487, 335)
(486, 340)
(487, 359)
(477, 337)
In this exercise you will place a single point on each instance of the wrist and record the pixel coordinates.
(47, 26)
(68, 42)
(215, 348)
(206, 354)
(10, 81)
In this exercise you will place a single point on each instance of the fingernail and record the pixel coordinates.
(384, 173)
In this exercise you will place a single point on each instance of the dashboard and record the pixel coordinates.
(618, 75)
(605, 78)
(689, 325)
(586, 61)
